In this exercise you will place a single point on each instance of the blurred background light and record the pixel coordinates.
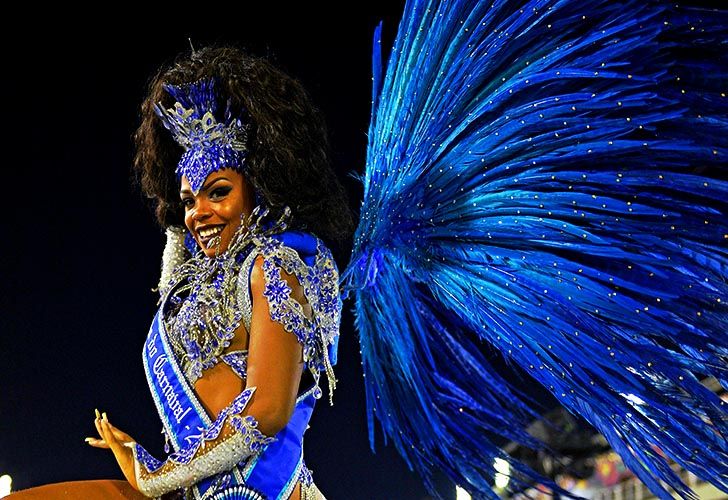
(6, 483)
(461, 494)
(503, 472)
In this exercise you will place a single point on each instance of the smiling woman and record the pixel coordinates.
(213, 215)
(249, 305)
(256, 303)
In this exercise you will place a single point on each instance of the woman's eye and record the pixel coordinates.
(220, 192)
(187, 202)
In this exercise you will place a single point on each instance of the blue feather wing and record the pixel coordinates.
(544, 183)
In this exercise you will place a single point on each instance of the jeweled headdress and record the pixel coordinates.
(211, 142)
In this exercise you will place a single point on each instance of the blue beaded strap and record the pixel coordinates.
(238, 361)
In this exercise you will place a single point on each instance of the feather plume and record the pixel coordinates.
(544, 183)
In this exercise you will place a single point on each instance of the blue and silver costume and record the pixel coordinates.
(203, 302)
(229, 453)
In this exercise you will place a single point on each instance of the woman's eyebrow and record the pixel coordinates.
(205, 187)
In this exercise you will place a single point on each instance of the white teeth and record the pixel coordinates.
(209, 232)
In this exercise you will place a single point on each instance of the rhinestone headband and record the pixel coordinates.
(210, 143)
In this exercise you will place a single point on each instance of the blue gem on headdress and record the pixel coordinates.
(210, 144)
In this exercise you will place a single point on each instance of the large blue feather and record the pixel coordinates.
(543, 181)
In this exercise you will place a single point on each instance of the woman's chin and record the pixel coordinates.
(214, 247)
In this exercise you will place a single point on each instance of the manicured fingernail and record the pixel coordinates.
(98, 415)
(105, 417)
(88, 440)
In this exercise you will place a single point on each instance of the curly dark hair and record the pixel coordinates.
(288, 149)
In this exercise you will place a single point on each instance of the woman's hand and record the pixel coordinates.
(119, 442)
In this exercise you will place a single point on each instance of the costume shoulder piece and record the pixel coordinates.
(306, 256)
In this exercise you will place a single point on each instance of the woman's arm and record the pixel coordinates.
(243, 428)
(275, 356)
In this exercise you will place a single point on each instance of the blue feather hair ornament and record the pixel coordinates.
(545, 184)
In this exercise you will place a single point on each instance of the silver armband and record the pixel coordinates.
(231, 439)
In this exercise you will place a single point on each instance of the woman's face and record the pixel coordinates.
(213, 215)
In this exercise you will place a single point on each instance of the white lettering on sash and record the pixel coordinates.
(151, 348)
(165, 386)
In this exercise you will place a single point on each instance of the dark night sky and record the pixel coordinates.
(82, 251)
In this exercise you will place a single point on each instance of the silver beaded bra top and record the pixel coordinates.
(206, 298)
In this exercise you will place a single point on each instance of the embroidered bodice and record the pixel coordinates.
(208, 299)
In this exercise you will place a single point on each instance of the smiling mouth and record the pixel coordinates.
(210, 237)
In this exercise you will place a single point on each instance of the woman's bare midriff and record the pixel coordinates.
(219, 385)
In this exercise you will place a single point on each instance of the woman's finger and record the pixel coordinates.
(117, 441)
(118, 434)
(116, 445)
(97, 443)
(97, 423)
(108, 435)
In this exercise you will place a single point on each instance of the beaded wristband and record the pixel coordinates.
(231, 439)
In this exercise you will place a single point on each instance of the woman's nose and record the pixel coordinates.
(202, 211)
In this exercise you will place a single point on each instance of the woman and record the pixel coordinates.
(543, 189)
(248, 322)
